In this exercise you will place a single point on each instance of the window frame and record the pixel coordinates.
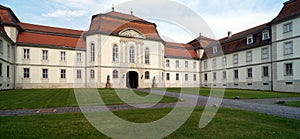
(78, 74)
(236, 74)
(249, 73)
(250, 37)
(266, 54)
(186, 77)
(287, 30)
(167, 76)
(147, 75)
(285, 48)
(177, 76)
(115, 74)
(214, 76)
(26, 53)
(265, 71)
(236, 59)
(167, 63)
(92, 54)
(45, 74)
(26, 73)
(63, 55)
(132, 55)
(79, 57)
(115, 53)
(63, 73)
(249, 58)
(177, 64)
(45, 55)
(264, 34)
(147, 56)
(288, 71)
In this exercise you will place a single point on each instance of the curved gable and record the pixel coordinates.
(130, 32)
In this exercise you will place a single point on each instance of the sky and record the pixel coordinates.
(218, 16)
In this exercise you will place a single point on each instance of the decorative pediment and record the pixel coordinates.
(131, 33)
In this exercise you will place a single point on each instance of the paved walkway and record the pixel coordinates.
(265, 106)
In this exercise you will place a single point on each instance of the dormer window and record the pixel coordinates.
(250, 39)
(265, 35)
(215, 50)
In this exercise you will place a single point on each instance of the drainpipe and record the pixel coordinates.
(15, 66)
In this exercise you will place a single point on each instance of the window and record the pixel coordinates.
(177, 63)
(26, 72)
(177, 76)
(265, 71)
(288, 48)
(92, 74)
(7, 71)
(194, 65)
(250, 39)
(214, 76)
(186, 77)
(147, 75)
(264, 53)
(0, 69)
(45, 73)
(205, 64)
(205, 77)
(78, 57)
(26, 53)
(236, 74)
(168, 76)
(287, 27)
(115, 74)
(249, 73)
(224, 61)
(249, 56)
(147, 56)
(265, 35)
(214, 63)
(215, 50)
(235, 59)
(195, 77)
(224, 75)
(131, 54)
(45, 54)
(8, 50)
(186, 64)
(167, 63)
(92, 52)
(115, 53)
(1, 47)
(289, 69)
(62, 73)
(78, 73)
(62, 56)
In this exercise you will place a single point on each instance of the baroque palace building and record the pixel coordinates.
(123, 51)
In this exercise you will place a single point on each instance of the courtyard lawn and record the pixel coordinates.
(294, 103)
(50, 98)
(228, 123)
(232, 93)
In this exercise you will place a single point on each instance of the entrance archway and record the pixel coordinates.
(132, 79)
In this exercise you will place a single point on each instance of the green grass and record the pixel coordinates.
(50, 98)
(294, 103)
(232, 93)
(228, 123)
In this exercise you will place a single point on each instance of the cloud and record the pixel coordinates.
(65, 13)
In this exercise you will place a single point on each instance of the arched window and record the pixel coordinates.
(92, 52)
(147, 75)
(115, 74)
(92, 74)
(115, 53)
(147, 56)
(131, 54)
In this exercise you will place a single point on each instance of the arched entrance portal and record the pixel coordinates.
(132, 79)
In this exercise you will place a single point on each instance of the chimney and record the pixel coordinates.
(229, 34)
(113, 8)
(131, 11)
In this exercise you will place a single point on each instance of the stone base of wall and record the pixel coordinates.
(287, 86)
(241, 85)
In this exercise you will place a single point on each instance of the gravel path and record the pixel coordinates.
(265, 106)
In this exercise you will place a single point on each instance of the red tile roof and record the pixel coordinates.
(178, 50)
(113, 23)
(40, 28)
(238, 42)
(7, 16)
(205, 41)
(50, 40)
(290, 9)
